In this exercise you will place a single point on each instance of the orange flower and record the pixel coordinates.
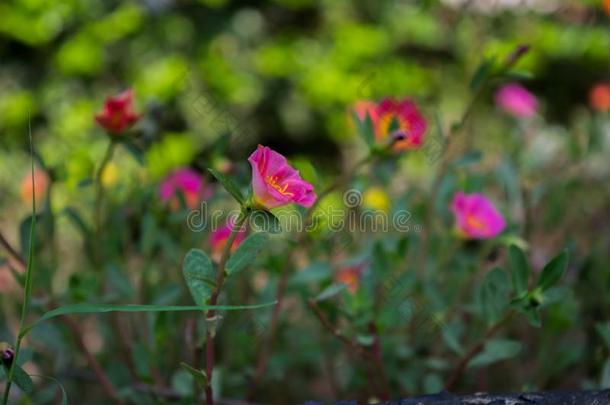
(41, 180)
(599, 96)
(350, 276)
(607, 6)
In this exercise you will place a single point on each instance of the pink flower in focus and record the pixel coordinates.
(219, 238)
(476, 217)
(118, 114)
(275, 182)
(517, 101)
(185, 181)
(401, 119)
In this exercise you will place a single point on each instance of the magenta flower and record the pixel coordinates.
(275, 182)
(185, 181)
(517, 101)
(118, 114)
(401, 119)
(219, 237)
(476, 217)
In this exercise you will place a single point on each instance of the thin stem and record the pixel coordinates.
(99, 192)
(27, 291)
(351, 344)
(11, 250)
(263, 358)
(211, 314)
(465, 360)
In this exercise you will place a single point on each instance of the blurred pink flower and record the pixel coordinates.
(185, 181)
(599, 97)
(275, 182)
(118, 114)
(517, 101)
(219, 237)
(476, 217)
(400, 119)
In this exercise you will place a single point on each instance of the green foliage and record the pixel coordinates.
(552, 272)
(199, 275)
(228, 185)
(246, 253)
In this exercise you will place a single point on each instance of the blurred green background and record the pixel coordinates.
(276, 72)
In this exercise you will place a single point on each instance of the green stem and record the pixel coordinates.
(263, 357)
(211, 314)
(27, 290)
(99, 192)
(476, 349)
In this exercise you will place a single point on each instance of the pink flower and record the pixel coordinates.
(118, 115)
(219, 238)
(476, 217)
(275, 182)
(400, 119)
(517, 101)
(185, 181)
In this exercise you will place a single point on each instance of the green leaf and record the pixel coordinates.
(199, 375)
(141, 360)
(520, 270)
(104, 308)
(330, 291)
(246, 253)
(468, 159)
(365, 128)
(314, 273)
(64, 395)
(483, 72)
(553, 271)
(199, 275)
(493, 296)
(604, 331)
(229, 185)
(20, 377)
(265, 221)
(496, 350)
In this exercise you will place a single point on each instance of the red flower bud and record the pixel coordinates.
(118, 114)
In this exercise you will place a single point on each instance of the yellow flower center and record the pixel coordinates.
(475, 222)
(282, 189)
